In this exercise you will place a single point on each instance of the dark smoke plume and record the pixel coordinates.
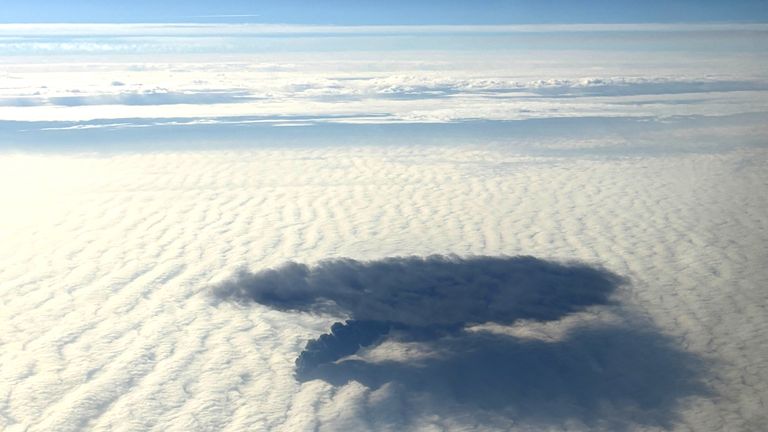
(421, 295)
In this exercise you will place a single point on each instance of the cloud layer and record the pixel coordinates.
(111, 237)
(428, 74)
(108, 259)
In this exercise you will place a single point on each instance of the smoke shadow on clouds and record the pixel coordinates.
(613, 377)
(598, 374)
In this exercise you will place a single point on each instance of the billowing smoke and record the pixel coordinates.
(420, 295)
(434, 290)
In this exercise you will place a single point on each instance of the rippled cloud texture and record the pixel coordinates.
(524, 228)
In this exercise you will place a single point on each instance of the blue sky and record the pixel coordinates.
(352, 12)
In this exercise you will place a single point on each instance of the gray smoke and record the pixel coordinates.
(420, 297)
(429, 291)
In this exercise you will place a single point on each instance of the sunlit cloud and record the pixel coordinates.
(288, 227)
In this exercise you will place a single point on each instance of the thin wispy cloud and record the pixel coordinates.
(226, 16)
(433, 78)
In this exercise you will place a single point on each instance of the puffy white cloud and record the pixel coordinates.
(108, 263)
(109, 257)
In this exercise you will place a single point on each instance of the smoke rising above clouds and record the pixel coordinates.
(431, 302)
(429, 291)
(420, 297)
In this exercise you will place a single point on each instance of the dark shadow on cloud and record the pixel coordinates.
(348, 338)
(609, 377)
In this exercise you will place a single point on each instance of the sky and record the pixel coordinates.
(351, 12)
(85, 79)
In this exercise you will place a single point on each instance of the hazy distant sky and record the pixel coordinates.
(387, 12)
